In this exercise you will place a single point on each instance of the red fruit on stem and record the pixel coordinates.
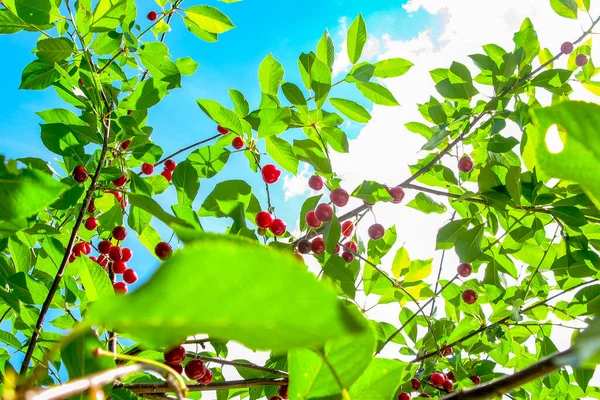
(450, 376)
(270, 173)
(72, 258)
(464, 270)
(465, 164)
(121, 181)
(447, 385)
(221, 130)
(152, 16)
(283, 391)
(91, 223)
(469, 296)
(348, 256)
(126, 254)
(147, 169)
(92, 206)
(102, 260)
(129, 112)
(176, 355)
(119, 233)
(347, 228)
(304, 246)
(324, 212)
(94, 259)
(177, 367)
(447, 351)
(115, 253)
(163, 250)
(170, 165)
(195, 369)
(120, 287)
(312, 220)
(278, 227)
(207, 378)
(318, 245)
(119, 267)
(125, 144)
(437, 379)
(403, 396)
(104, 246)
(80, 174)
(567, 48)
(315, 182)
(475, 379)
(376, 231)
(167, 174)
(130, 276)
(337, 249)
(263, 219)
(416, 384)
(425, 395)
(237, 143)
(78, 249)
(87, 248)
(397, 193)
(352, 246)
(339, 197)
(581, 60)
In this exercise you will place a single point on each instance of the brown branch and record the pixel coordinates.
(238, 364)
(160, 387)
(186, 148)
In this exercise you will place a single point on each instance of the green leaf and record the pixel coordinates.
(108, 15)
(150, 205)
(305, 62)
(318, 314)
(273, 121)
(421, 129)
(226, 196)
(501, 144)
(221, 115)
(185, 180)
(464, 327)
(34, 12)
(391, 68)
(147, 94)
(156, 58)
(239, 102)
(270, 75)
(93, 277)
(282, 153)
(587, 346)
(209, 160)
(377, 94)
(351, 109)
(209, 19)
(468, 245)
(401, 262)
(325, 49)
(199, 32)
(321, 81)
(310, 152)
(295, 96)
(77, 354)
(53, 50)
(426, 204)
(331, 234)
(38, 75)
(10, 23)
(308, 205)
(570, 215)
(372, 192)
(565, 8)
(361, 72)
(186, 65)
(436, 139)
(380, 380)
(357, 37)
(336, 138)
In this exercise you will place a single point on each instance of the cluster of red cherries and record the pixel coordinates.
(581, 60)
(194, 369)
(469, 296)
(167, 172)
(439, 380)
(237, 142)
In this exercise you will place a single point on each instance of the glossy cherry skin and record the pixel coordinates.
(448, 385)
(168, 175)
(176, 355)
(376, 231)
(450, 376)
(348, 256)
(221, 130)
(147, 169)
(347, 228)
(318, 245)
(91, 223)
(120, 287)
(315, 182)
(352, 246)
(312, 220)
(177, 367)
(278, 227)
(339, 197)
(163, 250)
(170, 165)
(465, 164)
(397, 193)
(283, 391)
(104, 246)
(195, 369)
(152, 16)
(207, 378)
(270, 173)
(115, 253)
(567, 48)
(125, 145)
(304, 246)
(324, 212)
(130, 276)
(416, 384)
(119, 233)
(464, 270)
(403, 396)
(581, 60)
(80, 174)
(237, 143)
(126, 254)
(119, 267)
(475, 379)
(437, 379)
(263, 219)
(469, 296)
(120, 181)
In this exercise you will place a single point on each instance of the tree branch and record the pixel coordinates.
(238, 364)
(161, 387)
(186, 148)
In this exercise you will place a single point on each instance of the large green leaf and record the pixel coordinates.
(468, 245)
(209, 160)
(426, 204)
(155, 57)
(146, 94)
(77, 353)
(53, 50)
(34, 12)
(351, 109)
(284, 307)
(282, 153)
(565, 8)
(270, 75)
(380, 380)
(377, 94)
(391, 68)
(309, 151)
(325, 50)
(209, 19)
(357, 37)
(10, 23)
(108, 14)
(321, 81)
(221, 115)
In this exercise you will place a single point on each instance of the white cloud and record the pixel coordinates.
(296, 185)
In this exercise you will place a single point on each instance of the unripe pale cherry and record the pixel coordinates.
(465, 164)
(221, 130)
(277, 227)
(119, 233)
(120, 287)
(315, 182)
(170, 165)
(304, 246)
(237, 143)
(464, 270)
(581, 60)
(130, 276)
(147, 169)
(318, 245)
(324, 212)
(263, 219)
(195, 369)
(469, 296)
(163, 250)
(437, 379)
(397, 193)
(347, 228)
(312, 220)
(270, 173)
(176, 355)
(339, 197)
(91, 223)
(567, 48)
(376, 231)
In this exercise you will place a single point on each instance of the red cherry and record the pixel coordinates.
(94, 259)
(221, 130)
(315, 182)
(72, 258)
(348, 256)
(304, 246)
(152, 16)
(263, 219)
(80, 174)
(376, 231)
(125, 144)
(237, 143)
(416, 384)
(566, 48)
(278, 227)
(337, 248)
(120, 181)
(270, 173)
(397, 193)
(283, 391)
(447, 385)
(581, 60)
(119, 233)
(475, 379)
(119, 267)
(104, 246)
(339, 197)
(195, 369)
(469, 296)
(437, 379)
(102, 260)
(465, 164)
(115, 253)
(177, 367)
(447, 351)
(78, 249)
(81, 82)
(347, 228)
(425, 395)
(464, 270)
(129, 112)
(352, 246)
(312, 220)
(126, 254)
(167, 174)
(176, 355)
(170, 165)
(403, 396)
(91, 223)
(450, 376)
(318, 245)
(120, 287)
(147, 169)
(92, 206)
(87, 248)
(163, 250)
(207, 378)
(324, 212)
(130, 276)
(120, 199)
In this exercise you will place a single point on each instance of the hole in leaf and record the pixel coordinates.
(554, 141)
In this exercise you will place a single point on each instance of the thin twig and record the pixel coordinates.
(160, 387)
(191, 146)
(238, 364)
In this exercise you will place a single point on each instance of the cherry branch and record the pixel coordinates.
(161, 387)
(238, 364)
(191, 146)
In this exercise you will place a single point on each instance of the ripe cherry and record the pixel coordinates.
(207, 378)
(130, 276)
(125, 144)
(80, 174)
(195, 369)
(318, 245)
(347, 228)
(324, 212)
(78, 249)
(102, 260)
(119, 233)
(348, 256)
(339, 197)
(315, 182)
(120, 287)
(277, 227)
(283, 391)
(437, 379)
(416, 384)
(352, 246)
(469, 296)
(567, 48)
(147, 169)
(464, 270)
(176, 355)
(126, 254)
(312, 220)
(581, 60)
(170, 165)
(119, 267)
(237, 143)
(304, 246)
(270, 173)
(94, 259)
(120, 181)
(221, 130)
(263, 219)
(91, 223)
(163, 250)
(337, 248)
(397, 193)
(403, 396)
(87, 248)
(425, 395)
(475, 379)
(104, 246)
(92, 206)
(115, 253)
(465, 164)
(152, 16)
(72, 258)
(450, 376)
(168, 175)
(376, 231)
(177, 367)
(447, 385)
(447, 351)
